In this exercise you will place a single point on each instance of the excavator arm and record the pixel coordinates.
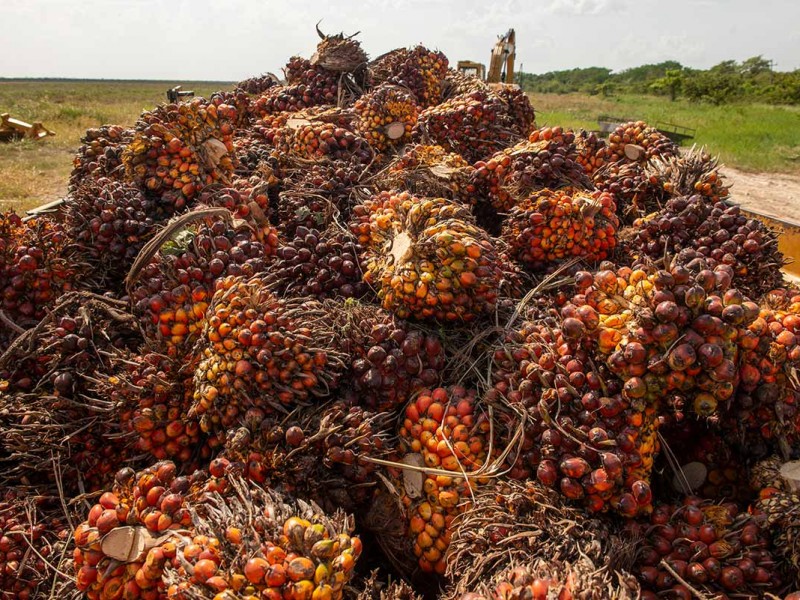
(501, 65)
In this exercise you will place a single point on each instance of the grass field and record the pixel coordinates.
(32, 173)
(749, 137)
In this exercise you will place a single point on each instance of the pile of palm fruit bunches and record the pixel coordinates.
(377, 308)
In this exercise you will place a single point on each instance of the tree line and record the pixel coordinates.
(753, 79)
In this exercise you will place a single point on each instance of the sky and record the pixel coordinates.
(228, 40)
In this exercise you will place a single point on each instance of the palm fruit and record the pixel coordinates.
(254, 159)
(173, 280)
(458, 84)
(426, 257)
(109, 223)
(443, 431)
(156, 393)
(316, 193)
(711, 548)
(690, 173)
(56, 421)
(475, 125)
(100, 155)
(254, 346)
(779, 504)
(334, 443)
(179, 149)
(592, 151)
(339, 53)
(636, 193)
(34, 533)
(512, 544)
(317, 139)
(389, 361)
(418, 69)
(639, 133)
(519, 106)
(720, 234)
(670, 334)
(318, 264)
(266, 547)
(547, 160)
(583, 435)
(425, 170)
(386, 115)
(33, 270)
(552, 226)
(308, 85)
(258, 84)
(541, 579)
(764, 414)
(152, 505)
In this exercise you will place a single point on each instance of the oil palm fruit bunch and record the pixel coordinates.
(34, 533)
(636, 193)
(548, 160)
(425, 170)
(317, 139)
(690, 173)
(418, 69)
(550, 226)
(427, 258)
(522, 114)
(318, 265)
(713, 549)
(307, 85)
(458, 84)
(34, 272)
(181, 148)
(669, 334)
(100, 154)
(134, 530)
(56, 422)
(719, 233)
(512, 544)
(446, 435)
(592, 151)
(254, 159)
(315, 193)
(266, 547)
(582, 435)
(173, 279)
(156, 394)
(339, 53)
(333, 443)
(256, 345)
(763, 416)
(257, 84)
(541, 579)
(475, 125)
(779, 505)
(386, 116)
(639, 133)
(109, 222)
(389, 360)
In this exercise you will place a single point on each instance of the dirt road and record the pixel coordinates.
(771, 193)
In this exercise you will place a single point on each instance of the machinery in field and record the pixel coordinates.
(501, 61)
(12, 129)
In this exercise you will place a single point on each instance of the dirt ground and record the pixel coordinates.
(770, 193)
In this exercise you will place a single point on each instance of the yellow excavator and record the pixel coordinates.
(501, 61)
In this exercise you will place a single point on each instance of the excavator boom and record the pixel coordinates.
(501, 65)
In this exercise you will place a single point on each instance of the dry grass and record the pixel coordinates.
(33, 173)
